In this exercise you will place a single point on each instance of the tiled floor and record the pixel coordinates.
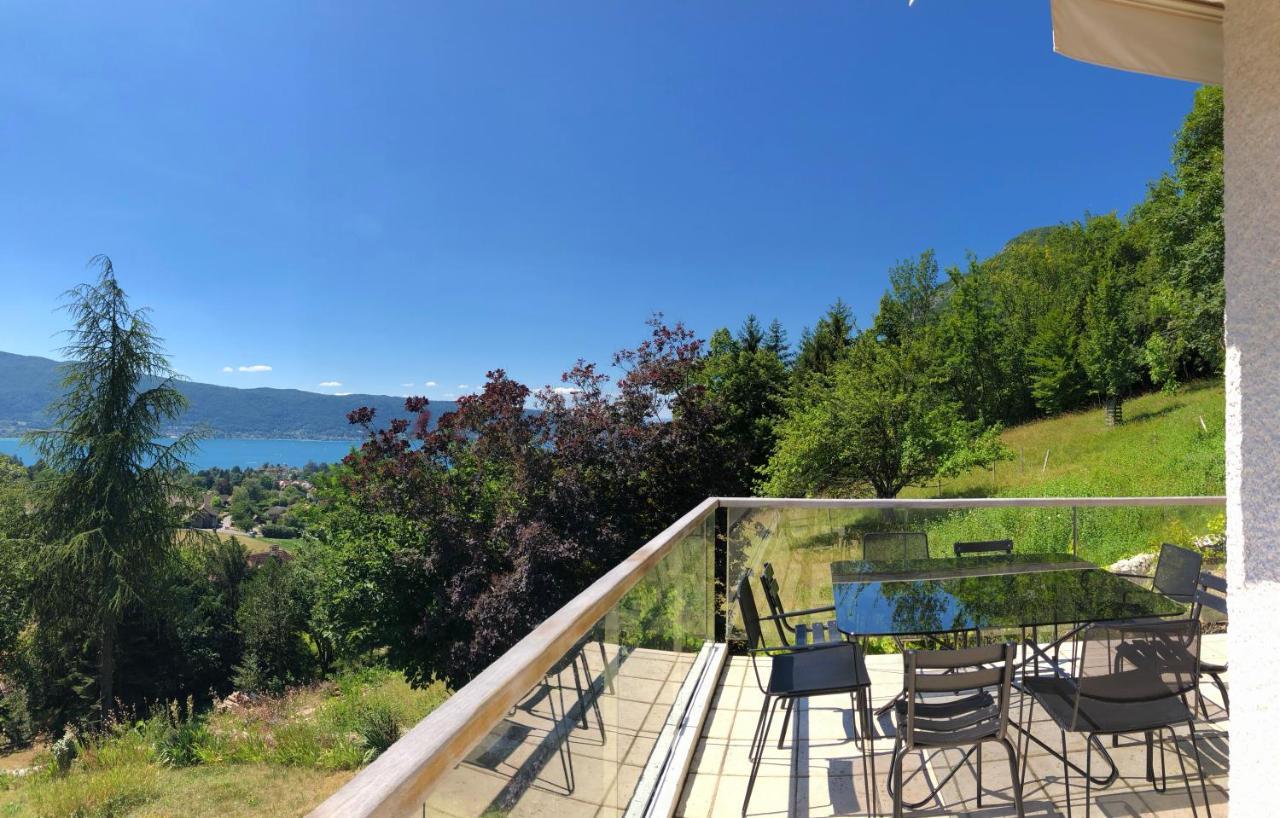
(819, 770)
(542, 761)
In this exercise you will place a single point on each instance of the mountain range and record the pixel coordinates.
(28, 384)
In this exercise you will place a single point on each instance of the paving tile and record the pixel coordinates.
(819, 772)
(709, 756)
(696, 799)
(771, 797)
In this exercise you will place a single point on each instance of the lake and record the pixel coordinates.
(228, 452)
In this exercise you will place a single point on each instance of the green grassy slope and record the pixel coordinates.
(1169, 444)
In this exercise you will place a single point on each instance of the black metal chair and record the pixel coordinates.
(961, 549)
(949, 704)
(801, 672)
(1127, 678)
(1212, 596)
(1177, 574)
(804, 633)
(895, 546)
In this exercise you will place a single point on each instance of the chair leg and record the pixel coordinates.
(1186, 779)
(1151, 767)
(979, 748)
(1222, 688)
(1204, 788)
(757, 739)
(1066, 772)
(896, 772)
(860, 735)
(869, 740)
(582, 701)
(755, 764)
(608, 676)
(595, 699)
(1031, 714)
(787, 706)
(1013, 775)
(1151, 757)
(1088, 775)
(565, 749)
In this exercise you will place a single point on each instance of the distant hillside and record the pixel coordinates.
(28, 384)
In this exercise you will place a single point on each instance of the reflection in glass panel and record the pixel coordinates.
(578, 743)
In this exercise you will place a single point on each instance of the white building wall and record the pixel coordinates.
(1252, 87)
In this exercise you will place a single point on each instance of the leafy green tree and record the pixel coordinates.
(880, 425)
(1057, 379)
(105, 518)
(247, 500)
(747, 380)
(1181, 219)
(913, 300)
(273, 616)
(1107, 350)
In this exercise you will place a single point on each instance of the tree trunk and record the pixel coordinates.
(1114, 411)
(107, 667)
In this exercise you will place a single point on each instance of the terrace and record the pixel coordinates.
(635, 698)
(657, 721)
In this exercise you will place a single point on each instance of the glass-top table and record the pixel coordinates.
(982, 593)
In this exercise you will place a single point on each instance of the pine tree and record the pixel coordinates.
(106, 516)
(820, 349)
(776, 342)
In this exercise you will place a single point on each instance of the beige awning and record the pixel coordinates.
(1169, 38)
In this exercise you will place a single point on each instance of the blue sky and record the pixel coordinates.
(381, 194)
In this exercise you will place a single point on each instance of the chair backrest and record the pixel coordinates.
(895, 546)
(1211, 596)
(1131, 662)
(750, 616)
(983, 547)
(773, 598)
(960, 708)
(1177, 573)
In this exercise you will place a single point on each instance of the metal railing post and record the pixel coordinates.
(720, 596)
(1075, 533)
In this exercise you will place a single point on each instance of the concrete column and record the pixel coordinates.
(1252, 85)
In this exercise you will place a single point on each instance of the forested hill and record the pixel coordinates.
(28, 384)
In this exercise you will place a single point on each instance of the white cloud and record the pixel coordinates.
(566, 390)
(255, 368)
(429, 383)
(341, 394)
(330, 384)
(463, 386)
(227, 369)
(406, 385)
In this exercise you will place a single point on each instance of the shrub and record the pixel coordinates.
(277, 531)
(64, 752)
(179, 745)
(378, 727)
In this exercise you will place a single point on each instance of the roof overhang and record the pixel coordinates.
(1181, 39)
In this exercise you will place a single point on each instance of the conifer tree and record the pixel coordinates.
(106, 516)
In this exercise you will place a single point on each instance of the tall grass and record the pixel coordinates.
(335, 726)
